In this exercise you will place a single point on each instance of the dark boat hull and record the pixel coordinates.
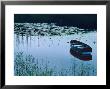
(85, 57)
(80, 50)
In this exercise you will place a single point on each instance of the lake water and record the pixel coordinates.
(52, 54)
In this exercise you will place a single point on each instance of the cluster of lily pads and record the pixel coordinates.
(45, 29)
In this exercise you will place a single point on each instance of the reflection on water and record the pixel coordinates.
(37, 55)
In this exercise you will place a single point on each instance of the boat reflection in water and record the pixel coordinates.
(80, 50)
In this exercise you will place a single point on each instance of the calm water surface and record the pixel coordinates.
(54, 52)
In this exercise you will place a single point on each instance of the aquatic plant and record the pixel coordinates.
(27, 65)
(46, 29)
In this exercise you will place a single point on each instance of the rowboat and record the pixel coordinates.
(80, 50)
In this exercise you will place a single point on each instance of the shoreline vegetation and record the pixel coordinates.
(45, 29)
(27, 65)
(85, 21)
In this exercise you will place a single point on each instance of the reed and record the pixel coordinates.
(27, 65)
